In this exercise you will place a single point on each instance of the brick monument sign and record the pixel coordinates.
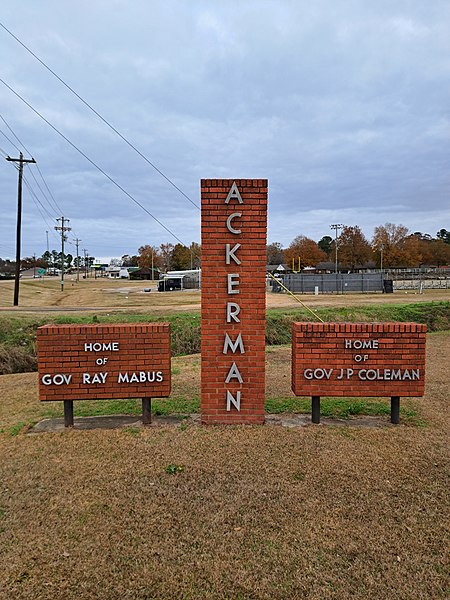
(234, 229)
(89, 362)
(358, 359)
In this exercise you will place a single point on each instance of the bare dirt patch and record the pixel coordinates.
(237, 512)
(103, 294)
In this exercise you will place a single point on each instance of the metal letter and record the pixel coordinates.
(231, 400)
(228, 343)
(233, 314)
(234, 373)
(229, 226)
(229, 254)
(234, 194)
(232, 283)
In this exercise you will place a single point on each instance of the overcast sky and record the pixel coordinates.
(343, 105)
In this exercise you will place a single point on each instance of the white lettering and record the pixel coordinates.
(233, 310)
(88, 378)
(101, 347)
(233, 281)
(229, 344)
(317, 373)
(234, 194)
(229, 254)
(361, 344)
(141, 377)
(234, 373)
(58, 379)
(231, 400)
(229, 226)
(361, 357)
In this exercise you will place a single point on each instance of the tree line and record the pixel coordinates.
(392, 246)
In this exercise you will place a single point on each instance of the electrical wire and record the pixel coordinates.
(10, 141)
(58, 209)
(34, 195)
(107, 123)
(11, 130)
(113, 181)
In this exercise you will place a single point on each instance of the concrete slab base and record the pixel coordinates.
(124, 421)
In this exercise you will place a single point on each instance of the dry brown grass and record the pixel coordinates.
(114, 295)
(261, 512)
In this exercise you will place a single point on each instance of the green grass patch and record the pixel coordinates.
(96, 408)
(15, 429)
(435, 315)
(341, 408)
(344, 408)
(18, 333)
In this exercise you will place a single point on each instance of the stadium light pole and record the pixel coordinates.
(336, 227)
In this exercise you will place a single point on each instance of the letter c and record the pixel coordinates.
(229, 226)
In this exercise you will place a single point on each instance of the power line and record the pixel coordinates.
(34, 197)
(44, 195)
(36, 200)
(113, 181)
(21, 143)
(122, 137)
(48, 189)
(58, 209)
(10, 141)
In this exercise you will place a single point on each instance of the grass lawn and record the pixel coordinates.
(227, 512)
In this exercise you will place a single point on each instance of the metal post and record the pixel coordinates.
(395, 410)
(68, 413)
(315, 400)
(146, 411)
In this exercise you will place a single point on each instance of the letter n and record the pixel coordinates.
(231, 400)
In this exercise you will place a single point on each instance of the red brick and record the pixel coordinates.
(142, 347)
(401, 346)
(251, 299)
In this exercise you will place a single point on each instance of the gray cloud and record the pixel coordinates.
(343, 106)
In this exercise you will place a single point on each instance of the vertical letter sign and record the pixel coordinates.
(234, 227)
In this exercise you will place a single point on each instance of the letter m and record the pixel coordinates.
(229, 344)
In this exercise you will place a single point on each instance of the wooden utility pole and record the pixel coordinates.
(77, 243)
(86, 256)
(62, 228)
(21, 160)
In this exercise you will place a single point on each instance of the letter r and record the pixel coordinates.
(233, 310)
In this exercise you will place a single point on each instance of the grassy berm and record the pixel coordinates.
(266, 512)
(18, 331)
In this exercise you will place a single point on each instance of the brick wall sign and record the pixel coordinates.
(358, 359)
(234, 229)
(90, 362)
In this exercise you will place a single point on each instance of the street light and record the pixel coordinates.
(336, 227)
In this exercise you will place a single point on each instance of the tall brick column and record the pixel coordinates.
(234, 230)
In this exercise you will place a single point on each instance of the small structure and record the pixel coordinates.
(117, 272)
(180, 280)
(145, 274)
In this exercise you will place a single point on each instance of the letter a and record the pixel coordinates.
(234, 373)
(234, 194)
